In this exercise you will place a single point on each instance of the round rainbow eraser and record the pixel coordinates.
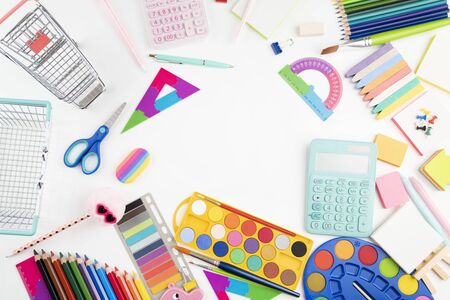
(133, 165)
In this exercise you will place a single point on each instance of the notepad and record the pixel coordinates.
(425, 123)
(437, 169)
(434, 68)
(266, 16)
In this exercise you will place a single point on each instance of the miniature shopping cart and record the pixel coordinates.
(24, 136)
(31, 38)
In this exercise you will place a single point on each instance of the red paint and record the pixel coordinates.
(368, 255)
(265, 235)
(323, 260)
(248, 228)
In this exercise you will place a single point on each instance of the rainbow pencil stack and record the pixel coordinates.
(386, 81)
(363, 18)
(75, 277)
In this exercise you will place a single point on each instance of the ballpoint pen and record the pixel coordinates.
(189, 61)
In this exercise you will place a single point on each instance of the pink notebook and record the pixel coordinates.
(32, 279)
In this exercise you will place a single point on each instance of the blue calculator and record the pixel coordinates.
(340, 188)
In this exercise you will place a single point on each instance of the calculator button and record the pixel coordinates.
(180, 35)
(351, 209)
(189, 29)
(198, 22)
(363, 200)
(364, 192)
(317, 197)
(338, 208)
(171, 1)
(351, 200)
(184, 7)
(316, 216)
(341, 190)
(317, 206)
(159, 39)
(364, 183)
(351, 227)
(328, 198)
(155, 22)
(352, 191)
(196, 13)
(353, 183)
(338, 226)
(177, 27)
(341, 182)
(165, 20)
(363, 210)
(330, 181)
(164, 12)
(362, 224)
(328, 207)
(318, 189)
(176, 18)
(185, 15)
(157, 31)
(200, 30)
(195, 5)
(166, 28)
(340, 199)
(173, 9)
(350, 218)
(315, 225)
(329, 189)
(339, 217)
(153, 13)
(169, 37)
(327, 217)
(318, 181)
(327, 226)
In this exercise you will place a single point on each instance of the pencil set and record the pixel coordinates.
(386, 82)
(359, 19)
(73, 277)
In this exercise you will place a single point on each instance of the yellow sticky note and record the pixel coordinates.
(390, 150)
(437, 169)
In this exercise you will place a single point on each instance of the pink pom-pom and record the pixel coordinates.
(106, 205)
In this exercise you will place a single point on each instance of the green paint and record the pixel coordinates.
(320, 298)
(136, 118)
(388, 267)
(237, 256)
(254, 263)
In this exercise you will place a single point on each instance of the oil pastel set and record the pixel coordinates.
(386, 81)
(149, 242)
(228, 234)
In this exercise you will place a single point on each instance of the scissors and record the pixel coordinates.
(87, 151)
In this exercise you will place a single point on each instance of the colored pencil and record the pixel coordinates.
(79, 278)
(132, 287)
(62, 277)
(123, 285)
(101, 272)
(87, 279)
(70, 277)
(248, 216)
(113, 281)
(53, 276)
(141, 288)
(93, 274)
(45, 275)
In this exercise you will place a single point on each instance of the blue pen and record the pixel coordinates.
(87, 151)
(104, 280)
(93, 274)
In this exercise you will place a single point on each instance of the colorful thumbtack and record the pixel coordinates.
(433, 118)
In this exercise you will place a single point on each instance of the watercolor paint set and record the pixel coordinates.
(238, 238)
(349, 268)
(149, 243)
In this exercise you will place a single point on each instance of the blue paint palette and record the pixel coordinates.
(349, 269)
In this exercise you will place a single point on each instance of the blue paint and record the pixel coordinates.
(220, 249)
(204, 242)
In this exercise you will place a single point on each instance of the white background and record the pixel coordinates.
(242, 139)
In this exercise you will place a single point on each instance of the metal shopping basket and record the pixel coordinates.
(33, 39)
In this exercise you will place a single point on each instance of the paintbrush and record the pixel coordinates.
(237, 271)
(387, 36)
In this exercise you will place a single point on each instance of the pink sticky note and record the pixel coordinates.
(391, 190)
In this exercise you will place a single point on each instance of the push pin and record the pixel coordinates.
(428, 132)
(278, 47)
(421, 122)
(424, 117)
(433, 118)
(421, 128)
(425, 111)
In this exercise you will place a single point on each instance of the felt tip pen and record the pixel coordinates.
(190, 61)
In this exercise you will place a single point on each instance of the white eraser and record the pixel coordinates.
(311, 29)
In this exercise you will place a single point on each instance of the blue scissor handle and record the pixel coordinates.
(90, 147)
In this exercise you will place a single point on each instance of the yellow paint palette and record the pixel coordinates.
(230, 235)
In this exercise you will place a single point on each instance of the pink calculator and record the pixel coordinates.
(175, 22)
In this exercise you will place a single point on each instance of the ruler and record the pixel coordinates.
(323, 108)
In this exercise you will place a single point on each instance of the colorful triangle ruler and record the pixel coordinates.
(151, 105)
(222, 282)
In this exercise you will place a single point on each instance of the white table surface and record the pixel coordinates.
(241, 139)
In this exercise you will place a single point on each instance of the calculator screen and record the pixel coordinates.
(342, 163)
